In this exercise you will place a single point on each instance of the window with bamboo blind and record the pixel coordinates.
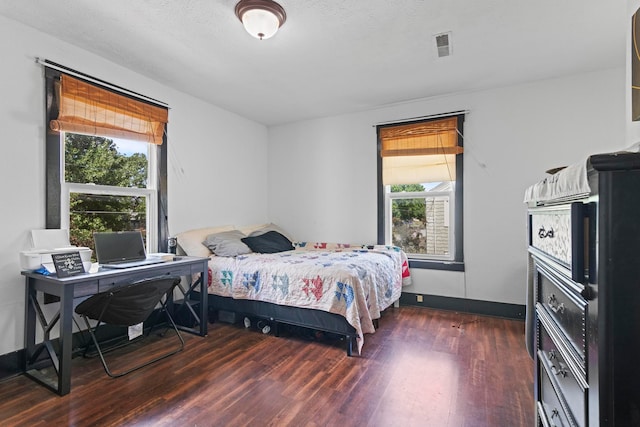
(420, 189)
(106, 160)
(87, 109)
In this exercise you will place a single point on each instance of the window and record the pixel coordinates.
(106, 160)
(420, 190)
(107, 187)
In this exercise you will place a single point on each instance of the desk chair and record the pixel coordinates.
(127, 306)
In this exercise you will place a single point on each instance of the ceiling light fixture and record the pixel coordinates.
(261, 18)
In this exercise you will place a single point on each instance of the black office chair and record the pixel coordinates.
(127, 306)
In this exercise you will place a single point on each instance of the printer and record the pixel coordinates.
(47, 242)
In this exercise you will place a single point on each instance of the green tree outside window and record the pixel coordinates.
(96, 160)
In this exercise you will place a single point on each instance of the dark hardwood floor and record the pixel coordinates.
(422, 367)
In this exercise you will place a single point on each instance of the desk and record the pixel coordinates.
(85, 285)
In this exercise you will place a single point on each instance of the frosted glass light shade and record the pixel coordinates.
(261, 18)
(260, 23)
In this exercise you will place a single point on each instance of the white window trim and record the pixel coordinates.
(389, 197)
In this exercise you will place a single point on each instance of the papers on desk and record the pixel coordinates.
(164, 256)
(50, 238)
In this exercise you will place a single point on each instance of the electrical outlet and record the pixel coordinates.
(418, 298)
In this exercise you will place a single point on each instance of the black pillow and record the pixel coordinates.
(268, 243)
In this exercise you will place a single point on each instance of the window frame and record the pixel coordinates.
(456, 261)
(450, 195)
(58, 191)
(150, 194)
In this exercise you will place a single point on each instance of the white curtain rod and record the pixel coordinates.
(433, 116)
(96, 80)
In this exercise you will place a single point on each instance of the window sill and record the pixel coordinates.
(436, 265)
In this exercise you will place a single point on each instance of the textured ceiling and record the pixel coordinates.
(337, 56)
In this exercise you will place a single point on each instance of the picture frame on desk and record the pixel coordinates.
(68, 264)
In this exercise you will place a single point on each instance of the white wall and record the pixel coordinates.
(322, 173)
(216, 159)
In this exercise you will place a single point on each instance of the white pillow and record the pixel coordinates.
(257, 230)
(248, 229)
(190, 241)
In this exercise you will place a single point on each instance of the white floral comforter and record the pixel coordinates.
(354, 282)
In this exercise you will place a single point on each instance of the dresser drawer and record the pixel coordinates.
(571, 382)
(565, 306)
(551, 233)
(561, 234)
(550, 410)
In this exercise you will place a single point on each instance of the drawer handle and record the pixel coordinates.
(542, 233)
(561, 371)
(553, 304)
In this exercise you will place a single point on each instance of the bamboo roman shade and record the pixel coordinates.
(420, 152)
(91, 110)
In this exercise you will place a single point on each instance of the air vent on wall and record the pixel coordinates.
(443, 44)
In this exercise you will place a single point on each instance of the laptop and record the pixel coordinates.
(122, 249)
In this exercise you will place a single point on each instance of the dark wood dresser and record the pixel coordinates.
(584, 253)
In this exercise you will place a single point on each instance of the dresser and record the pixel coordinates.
(584, 268)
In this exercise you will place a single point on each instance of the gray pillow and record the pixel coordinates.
(227, 243)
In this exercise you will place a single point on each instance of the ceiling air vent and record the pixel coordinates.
(443, 44)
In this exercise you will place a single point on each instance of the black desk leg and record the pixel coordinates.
(201, 315)
(204, 300)
(66, 341)
(60, 362)
(29, 323)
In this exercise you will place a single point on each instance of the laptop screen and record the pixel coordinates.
(119, 246)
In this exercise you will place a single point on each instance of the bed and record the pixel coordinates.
(331, 287)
